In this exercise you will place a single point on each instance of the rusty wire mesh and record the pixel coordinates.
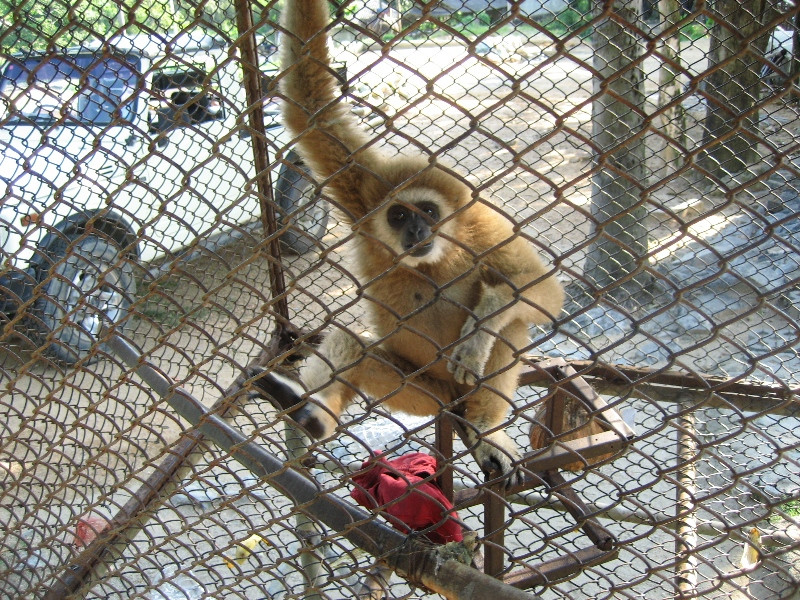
(660, 179)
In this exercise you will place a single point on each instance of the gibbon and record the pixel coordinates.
(451, 288)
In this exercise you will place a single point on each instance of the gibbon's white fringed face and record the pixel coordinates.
(411, 225)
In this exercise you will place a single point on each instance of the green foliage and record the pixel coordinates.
(30, 24)
(470, 24)
(570, 19)
(584, 7)
(694, 31)
(791, 508)
(41, 24)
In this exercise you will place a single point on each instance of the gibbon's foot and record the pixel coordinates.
(497, 456)
(464, 367)
(316, 421)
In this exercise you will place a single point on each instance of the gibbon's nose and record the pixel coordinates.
(416, 231)
(417, 225)
(416, 243)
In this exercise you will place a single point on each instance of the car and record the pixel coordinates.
(121, 154)
(780, 49)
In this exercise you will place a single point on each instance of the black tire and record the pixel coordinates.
(81, 291)
(307, 215)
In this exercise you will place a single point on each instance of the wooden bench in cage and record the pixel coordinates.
(596, 431)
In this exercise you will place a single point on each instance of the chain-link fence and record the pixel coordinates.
(164, 250)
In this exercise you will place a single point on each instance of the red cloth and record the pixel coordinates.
(88, 528)
(425, 505)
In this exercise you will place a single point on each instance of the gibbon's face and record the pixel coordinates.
(410, 225)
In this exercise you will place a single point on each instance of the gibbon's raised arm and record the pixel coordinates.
(328, 137)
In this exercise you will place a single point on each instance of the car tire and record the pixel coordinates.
(87, 286)
(300, 209)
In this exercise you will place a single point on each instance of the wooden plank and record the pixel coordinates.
(444, 445)
(734, 389)
(551, 458)
(557, 568)
(494, 516)
(564, 453)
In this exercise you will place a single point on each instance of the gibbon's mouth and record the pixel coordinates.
(423, 250)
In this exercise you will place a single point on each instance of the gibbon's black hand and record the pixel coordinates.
(305, 419)
(280, 391)
(274, 389)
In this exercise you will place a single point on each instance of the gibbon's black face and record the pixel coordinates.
(413, 223)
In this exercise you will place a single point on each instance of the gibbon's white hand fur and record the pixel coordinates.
(451, 288)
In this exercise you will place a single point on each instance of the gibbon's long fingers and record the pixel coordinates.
(468, 360)
(493, 472)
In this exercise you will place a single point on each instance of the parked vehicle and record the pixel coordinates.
(118, 155)
(779, 52)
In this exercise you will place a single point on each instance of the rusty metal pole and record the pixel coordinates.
(179, 456)
(251, 79)
(670, 88)
(167, 472)
(794, 70)
(617, 378)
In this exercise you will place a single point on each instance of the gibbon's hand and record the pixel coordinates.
(288, 395)
(471, 355)
(316, 421)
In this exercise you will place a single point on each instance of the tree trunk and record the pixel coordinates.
(794, 71)
(617, 254)
(733, 87)
(670, 88)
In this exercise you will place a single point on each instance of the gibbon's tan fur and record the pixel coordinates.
(448, 320)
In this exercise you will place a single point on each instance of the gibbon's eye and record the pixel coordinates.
(430, 210)
(397, 215)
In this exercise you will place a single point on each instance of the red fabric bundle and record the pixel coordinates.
(425, 505)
